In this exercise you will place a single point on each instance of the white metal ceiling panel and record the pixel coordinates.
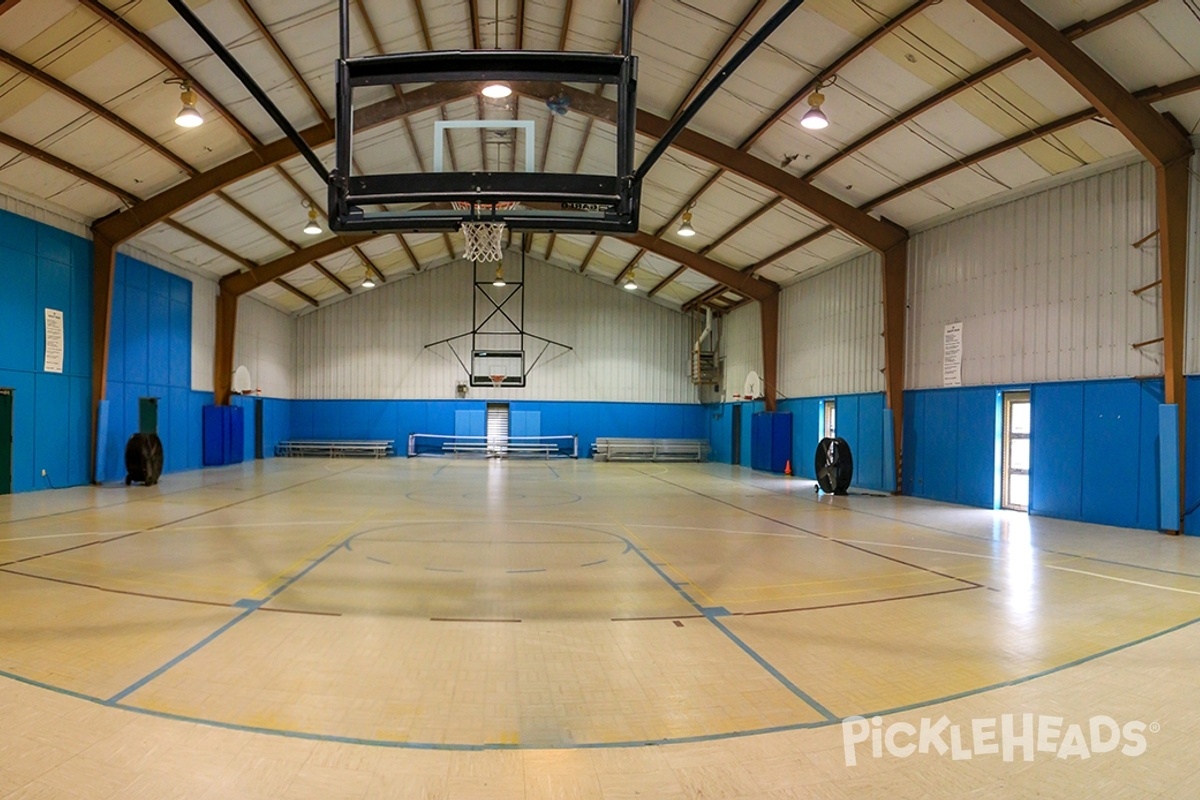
(217, 220)
(1138, 54)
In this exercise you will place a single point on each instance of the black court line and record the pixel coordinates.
(169, 523)
(127, 502)
(804, 608)
(469, 619)
(821, 536)
(149, 596)
(858, 602)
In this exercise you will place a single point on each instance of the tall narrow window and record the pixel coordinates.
(830, 427)
(1015, 466)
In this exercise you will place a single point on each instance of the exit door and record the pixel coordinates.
(6, 434)
(1014, 491)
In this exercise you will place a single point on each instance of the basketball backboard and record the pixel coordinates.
(505, 146)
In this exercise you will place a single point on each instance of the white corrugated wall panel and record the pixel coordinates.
(204, 333)
(265, 343)
(1192, 351)
(741, 342)
(1043, 286)
(830, 331)
(373, 345)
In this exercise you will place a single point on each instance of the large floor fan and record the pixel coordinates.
(834, 465)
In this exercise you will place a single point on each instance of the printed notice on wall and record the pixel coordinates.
(54, 341)
(952, 355)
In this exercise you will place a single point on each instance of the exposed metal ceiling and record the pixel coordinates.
(933, 108)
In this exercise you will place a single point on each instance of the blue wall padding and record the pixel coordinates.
(42, 267)
(396, 419)
(1093, 450)
(771, 441)
(950, 445)
(524, 423)
(150, 355)
(277, 422)
(1168, 459)
(1191, 516)
(889, 451)
(859, 422)
(1056, 458)
(215, 437)
(224, 435)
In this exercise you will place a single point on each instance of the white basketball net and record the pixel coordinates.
(485, 241)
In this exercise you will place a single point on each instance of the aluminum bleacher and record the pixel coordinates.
(616, 449)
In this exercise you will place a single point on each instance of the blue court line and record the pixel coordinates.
(442, 569)
(525, 571)
(698, 738)
(141, 682)
(710, 615)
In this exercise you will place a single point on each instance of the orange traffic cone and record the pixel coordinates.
(787, 468)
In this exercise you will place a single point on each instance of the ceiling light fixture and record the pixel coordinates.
(685, 225)
(368, 281)
(630, 282)
(814, 119)
(313, 228)
(499, 281)
(188, 116)
(497, 90)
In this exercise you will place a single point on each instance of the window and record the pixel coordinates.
(1014, 492)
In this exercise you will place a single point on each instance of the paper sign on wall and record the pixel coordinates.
(952, 355)
(54, 341)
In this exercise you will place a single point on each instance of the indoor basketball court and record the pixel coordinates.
(537, 399)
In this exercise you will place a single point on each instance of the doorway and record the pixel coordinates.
(497, 427)
(1014, 466)
(6, 435)
(829, 418)
(258, 428)
(737, 434)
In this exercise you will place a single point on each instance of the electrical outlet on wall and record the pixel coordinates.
(43, 473)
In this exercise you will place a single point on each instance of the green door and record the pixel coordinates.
(6, 431)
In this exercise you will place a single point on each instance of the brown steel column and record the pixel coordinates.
(768, 308)
(227, 303)
(104, 265)
(895, 305)
(1172, 181)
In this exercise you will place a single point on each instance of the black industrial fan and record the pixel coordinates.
(834, 465)
(143, 459)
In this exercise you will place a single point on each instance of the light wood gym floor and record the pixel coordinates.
(428, 628)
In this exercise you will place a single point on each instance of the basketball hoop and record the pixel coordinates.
(484, 238)
(497, 381)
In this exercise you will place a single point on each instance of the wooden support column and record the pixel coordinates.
(1172, 180)
(104, 267)
(895, 305)
(227, 303)
(768, 308)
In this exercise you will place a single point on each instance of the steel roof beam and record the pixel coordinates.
(126, 224)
